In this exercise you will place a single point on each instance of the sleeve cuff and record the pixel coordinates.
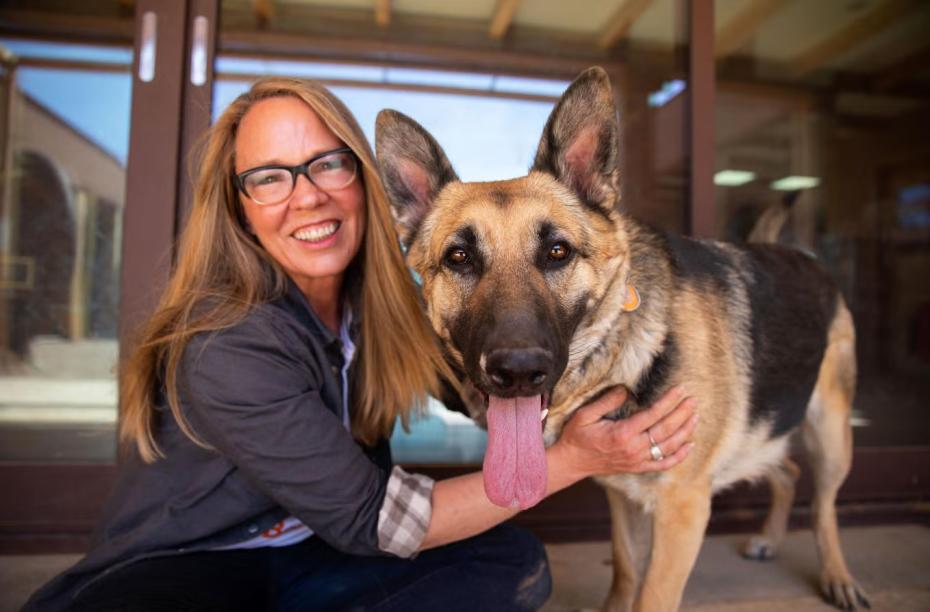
(405, 513)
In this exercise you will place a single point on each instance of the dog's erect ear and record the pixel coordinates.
(413, 168)
(580, 145)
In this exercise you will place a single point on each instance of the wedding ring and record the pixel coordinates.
(654, 449)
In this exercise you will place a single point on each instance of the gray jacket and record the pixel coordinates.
(267, 395)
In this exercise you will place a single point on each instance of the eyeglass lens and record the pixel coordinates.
(273, 185)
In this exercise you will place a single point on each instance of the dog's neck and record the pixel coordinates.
(615, 347)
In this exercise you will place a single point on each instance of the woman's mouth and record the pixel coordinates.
(317, 233)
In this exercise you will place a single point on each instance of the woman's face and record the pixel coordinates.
(313, 234)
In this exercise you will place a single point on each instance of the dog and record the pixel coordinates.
(544, 293)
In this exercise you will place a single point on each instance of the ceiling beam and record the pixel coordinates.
(383, 13)
(502, 17)
(621, 22)
(743, 26)
(867, 25)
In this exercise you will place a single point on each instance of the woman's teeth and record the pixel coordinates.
(318, 233)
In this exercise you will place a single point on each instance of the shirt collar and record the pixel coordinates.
(298, 303)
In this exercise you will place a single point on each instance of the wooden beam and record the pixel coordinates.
(700, 135)
(502, 17)
(744, 25)
(622, 21)
(383, 13)
(868, 25)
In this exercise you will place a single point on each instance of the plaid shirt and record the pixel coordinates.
(405, 513)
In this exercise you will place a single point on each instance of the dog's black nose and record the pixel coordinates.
(519, 372)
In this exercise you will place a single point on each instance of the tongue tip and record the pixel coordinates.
(505, 500)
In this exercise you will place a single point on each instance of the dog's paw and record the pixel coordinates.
(759, 548)
(843, 592)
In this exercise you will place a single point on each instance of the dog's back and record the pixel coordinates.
(787, 302)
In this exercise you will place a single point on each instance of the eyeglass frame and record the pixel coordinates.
(299, 169)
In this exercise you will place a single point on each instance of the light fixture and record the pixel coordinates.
(733, 178)
(795, 183)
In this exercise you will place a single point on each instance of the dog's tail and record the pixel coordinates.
(768, 228)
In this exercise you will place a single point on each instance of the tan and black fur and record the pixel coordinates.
(525, 282)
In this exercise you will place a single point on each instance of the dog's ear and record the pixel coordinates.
(414, 169)
(580, 144)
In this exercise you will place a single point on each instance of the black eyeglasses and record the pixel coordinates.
(329, 171)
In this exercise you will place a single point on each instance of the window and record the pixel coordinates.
(66, 138)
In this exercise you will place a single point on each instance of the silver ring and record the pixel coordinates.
(654, 449)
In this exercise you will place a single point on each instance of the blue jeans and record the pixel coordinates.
(502, 569)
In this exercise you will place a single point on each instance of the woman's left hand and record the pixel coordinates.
(591, 445)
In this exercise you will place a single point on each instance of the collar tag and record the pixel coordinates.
(632, 299)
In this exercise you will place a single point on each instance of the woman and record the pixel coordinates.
(259, 402)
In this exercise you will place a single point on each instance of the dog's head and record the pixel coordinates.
(510, 268)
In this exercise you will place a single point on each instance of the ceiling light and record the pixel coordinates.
(733, 178)
(794, 183)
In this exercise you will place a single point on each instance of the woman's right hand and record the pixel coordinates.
(590, 445)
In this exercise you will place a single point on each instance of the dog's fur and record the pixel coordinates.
(757, 334)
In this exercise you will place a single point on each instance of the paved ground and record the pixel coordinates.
(892, 563)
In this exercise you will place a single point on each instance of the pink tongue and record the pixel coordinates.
(515, 461)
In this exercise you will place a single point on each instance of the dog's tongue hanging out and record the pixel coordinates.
(515, 461)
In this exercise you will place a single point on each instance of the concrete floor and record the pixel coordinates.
(892, 563)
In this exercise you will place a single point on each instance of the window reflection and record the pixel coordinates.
(821, 143)
(65, 138)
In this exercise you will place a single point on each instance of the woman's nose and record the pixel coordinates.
(306, 193)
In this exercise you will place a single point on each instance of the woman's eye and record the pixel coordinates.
(559, 252)
(457, 257)
(330, 165)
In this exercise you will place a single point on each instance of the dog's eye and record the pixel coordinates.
(457, 258)
(559, 252)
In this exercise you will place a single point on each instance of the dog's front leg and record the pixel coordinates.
(679, 521)
(631, 537)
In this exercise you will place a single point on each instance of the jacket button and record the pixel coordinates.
(253, 528)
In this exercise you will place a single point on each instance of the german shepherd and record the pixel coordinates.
(544, 294)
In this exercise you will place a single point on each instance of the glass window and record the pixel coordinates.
(65, 134)
(822, 123)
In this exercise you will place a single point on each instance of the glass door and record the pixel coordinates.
(65, 143)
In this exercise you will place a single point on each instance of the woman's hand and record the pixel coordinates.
(590, 445)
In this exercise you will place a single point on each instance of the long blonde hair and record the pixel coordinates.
(222, 272)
